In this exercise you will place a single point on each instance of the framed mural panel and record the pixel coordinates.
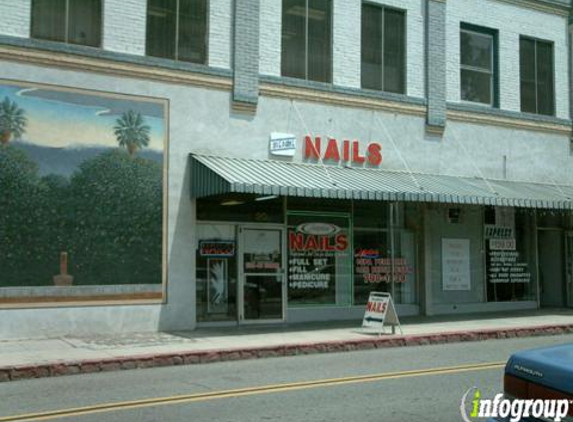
(83, 177)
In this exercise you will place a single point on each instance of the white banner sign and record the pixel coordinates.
(502, 244)
(456, 264)
(283, 144)
(492, 231)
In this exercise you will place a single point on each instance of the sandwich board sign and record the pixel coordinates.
(380, 311)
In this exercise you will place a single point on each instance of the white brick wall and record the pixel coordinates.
(346, 41)
(347, 35)
(511, 21)
(270, 37)
(15, 17)
(124, 26)
(124, 31)
(220, 33)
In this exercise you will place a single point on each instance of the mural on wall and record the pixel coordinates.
(81, 187)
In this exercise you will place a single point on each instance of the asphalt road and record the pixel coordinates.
(401, 384)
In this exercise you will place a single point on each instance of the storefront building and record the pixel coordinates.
(172, 165)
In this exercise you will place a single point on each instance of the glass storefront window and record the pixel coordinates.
(371, 269)
(371, 214)
(405, 283)
(330, 261)
(216, 273)
(510, 257)
(374, 267)
(263, 276)
(319, 259)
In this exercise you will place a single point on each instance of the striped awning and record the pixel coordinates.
(211, 175)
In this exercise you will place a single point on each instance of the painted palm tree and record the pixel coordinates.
(131, 131)
(12, 121)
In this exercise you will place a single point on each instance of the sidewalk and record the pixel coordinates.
(70, 355)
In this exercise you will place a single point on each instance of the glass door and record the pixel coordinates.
(261, 287)
(569, 266)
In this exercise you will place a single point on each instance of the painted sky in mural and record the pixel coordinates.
(71, 119)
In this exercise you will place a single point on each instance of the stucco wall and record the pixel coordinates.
(179, 312)
(201, 121)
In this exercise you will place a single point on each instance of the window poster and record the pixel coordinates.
(217, 274)
(504, 263)
(456, 264)
(262, 251)
(318, 258)
(375, 268)
(372, 268)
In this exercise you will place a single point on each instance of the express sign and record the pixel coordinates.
(345, 151)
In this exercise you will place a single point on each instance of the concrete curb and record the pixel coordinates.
(14, 373)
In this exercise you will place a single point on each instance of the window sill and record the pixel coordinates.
(101, 54)
(55, 44)
(337, 89)
(494, 116)
(495, 111)
(478, 104)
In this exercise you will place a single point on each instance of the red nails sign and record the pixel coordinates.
(346, 151)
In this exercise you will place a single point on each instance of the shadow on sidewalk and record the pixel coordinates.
(475, 319)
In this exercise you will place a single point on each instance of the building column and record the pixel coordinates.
(570, 53)
(124, 35)
(436, 65)
(426, 258)
(246, 55)
(15, 18)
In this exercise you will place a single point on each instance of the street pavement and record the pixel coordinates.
(395, 384)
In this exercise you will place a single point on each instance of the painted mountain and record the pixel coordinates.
(64, 161)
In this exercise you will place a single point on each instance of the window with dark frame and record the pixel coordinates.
(383, 49)
(69, 21)
(306, 51)
(536, 76)
(177, 29)
(478, 65)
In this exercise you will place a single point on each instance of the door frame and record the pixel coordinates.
(565, 284)
(568, 234)
(241, 273)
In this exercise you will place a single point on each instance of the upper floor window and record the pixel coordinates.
(536, 76)
(69, 21)
(177, 29)
(383, 49)
(307, 39)
(478, 65)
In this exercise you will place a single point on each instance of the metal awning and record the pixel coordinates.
(211, 175)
